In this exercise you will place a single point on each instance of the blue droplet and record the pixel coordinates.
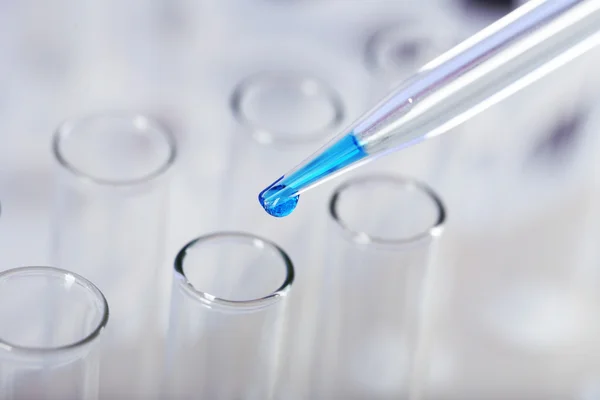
(280, 198)
(277, 207)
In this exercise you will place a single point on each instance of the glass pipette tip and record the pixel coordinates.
(281, 197)
(515, 51)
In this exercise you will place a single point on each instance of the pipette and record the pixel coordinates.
(515, 51)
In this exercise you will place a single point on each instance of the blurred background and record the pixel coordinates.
(515, 294)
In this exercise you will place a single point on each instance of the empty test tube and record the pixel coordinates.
(51, 321)
(110, 215)
(280, 116)
(395, 51)
(392, 53)
(225, 322)
(382, 229)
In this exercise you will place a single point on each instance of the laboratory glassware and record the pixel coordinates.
(227, 300)
(395, 51)
(260, 76)
(280, 115)
(111, 202)
(51, 326)
(527, 44)
(369, 340)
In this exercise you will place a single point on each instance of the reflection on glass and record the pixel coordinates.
(51, 322)
(109, 225)
(367, 341)
(227, 301)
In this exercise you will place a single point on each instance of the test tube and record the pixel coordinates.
(109, 224)
(226, 306)
(396, 50)
(392, 53)
(367, 343)
(280, 116)
(51, 323)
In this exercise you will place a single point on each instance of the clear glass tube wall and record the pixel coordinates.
(226, 308)
(392, 53)
(51, 322)
(281, 117)
(381, 236)
(397, 50)
(109, 224)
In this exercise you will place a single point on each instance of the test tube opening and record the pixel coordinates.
(114, 149)
(49, 310)
(257, 274)
(397, 50)
(384, 228)
(387, 210)
(227, 306)
(111, 199)
(287, 108)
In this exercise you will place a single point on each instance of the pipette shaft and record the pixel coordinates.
(527, 44)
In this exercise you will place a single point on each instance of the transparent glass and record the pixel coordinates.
(396, 51)
(111, 201)
(51, 321)
(280, 116)
(514, 52)
(226, 308)
(517, 50)
(367, 342)
(287, 107)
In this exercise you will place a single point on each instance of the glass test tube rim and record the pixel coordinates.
(69, 125)
(413, 27)
(363, 238)
(279, 138)
(59, 272)
(234, 305)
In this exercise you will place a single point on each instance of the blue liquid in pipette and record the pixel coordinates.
(281, 197)
(277, 207)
